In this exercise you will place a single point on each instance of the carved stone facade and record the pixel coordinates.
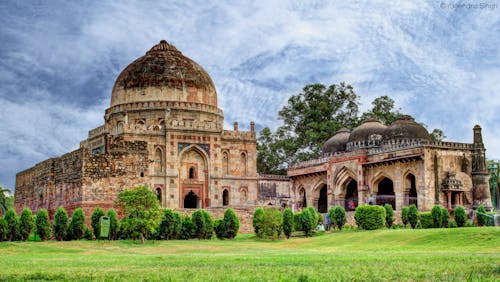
(396, 164)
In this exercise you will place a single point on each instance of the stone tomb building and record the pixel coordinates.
(396, 164)
(164, 129)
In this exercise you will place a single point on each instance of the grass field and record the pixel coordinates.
(391, 255)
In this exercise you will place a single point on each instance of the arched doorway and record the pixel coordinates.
(190, 200)
(323, 200)
(158, 194)
(351, 195)
(385, 194)
(302, 198)
(411, 196)
(225, 197)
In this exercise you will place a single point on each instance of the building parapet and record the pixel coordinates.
(312, 162)
(97, 131)
(273, 177)
(451, 145)
(161, 105)
(238, 135)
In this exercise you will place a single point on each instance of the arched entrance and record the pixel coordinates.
(411, 196)
(190, 200)
(193, 176)
(158, 194)
(323, 200)
(302, 198)
(225, 197)
(351, 195)
(385, 194)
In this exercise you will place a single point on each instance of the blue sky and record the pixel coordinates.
(438, 60)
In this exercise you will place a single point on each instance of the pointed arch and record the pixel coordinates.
(225, 163)
(159, 160)
(342, 175)
(243, 161)
(410, 189)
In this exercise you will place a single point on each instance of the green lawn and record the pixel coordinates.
(390, 255)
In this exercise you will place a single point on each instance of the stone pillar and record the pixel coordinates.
(480, 176)
(235, 126)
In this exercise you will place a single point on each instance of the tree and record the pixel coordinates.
(141, 211)
(413, 216)
(95, 221)
(187, 229)
(307, 220)
(60, 226)
(25, 224)
(232, 223)
(338, 217)
(273, 222)
(436, 216)
(77, 225)
(389, 215)
(404, 215)
(4, 200)
(287, 222)
(203, 225)
(42, 224)
(4, 229)
(171, 225)
(258, 222)
(437, 135)
(383, 110)
(460, 216)
(270, 157)
(445, 217)
(113, 224)
(12, 224)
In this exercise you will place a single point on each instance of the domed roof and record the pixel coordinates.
(337, 142)
(164, 74)
(406, 127)
(369, 129)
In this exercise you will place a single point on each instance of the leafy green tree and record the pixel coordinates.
(389, 215)
(4, 229)
(445, 218)
(231, 222)
(437, 135)
(460, 216)
(404, 215)
(171, 225)
(203, 225)
(270, 156)
(338, 217)
(42, 224)
(307, 222)
(382, 110)
(95, 221)
(220, 228)
(273, 222)
(258, 222)
(77, 225)
(287, 222)
(315, 218)
(481, 216)
(141, 211)
(113, 223)
(12, 223)
(413, 216)
(4, 200)
(25, 224)
(436, 216)
(60, 226)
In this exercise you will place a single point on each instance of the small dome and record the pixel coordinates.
(337, 142)
(406, 127)
(370, 129)
(164, 74)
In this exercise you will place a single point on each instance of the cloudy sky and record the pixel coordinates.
(438, 60)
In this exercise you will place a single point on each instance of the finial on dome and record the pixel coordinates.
(163, 46)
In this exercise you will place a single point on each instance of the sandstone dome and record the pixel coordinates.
(337, 143)
(405, 127)
(164, 74)
(370, 129)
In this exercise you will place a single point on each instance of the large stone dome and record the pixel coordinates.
(405, 127)
(337, 143)
(164, 74)
(370, 129)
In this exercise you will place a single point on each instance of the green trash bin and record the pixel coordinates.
(105, 224)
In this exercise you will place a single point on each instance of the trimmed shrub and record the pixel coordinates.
(436, 216)
(42, 224)
(370, 217)
(445, 218)
(460, 216)
(338, 217)
(258, 222)
(307, 222)
(12, 224)
(404, 215)
(273, 222)
(389, 215)
(4, 229)
(315, 216)
(187, 228)
(60, 226)
(77, 225)
(297, 221)
(452, 224)
(426, 220)
(481, 216)
(220, 228)
(232, 223)
(113, 224)
(95, 221)
(413, 216)
(25, 224)
(288, 222)
(203, 226)
(171, 225)
(87, 233)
